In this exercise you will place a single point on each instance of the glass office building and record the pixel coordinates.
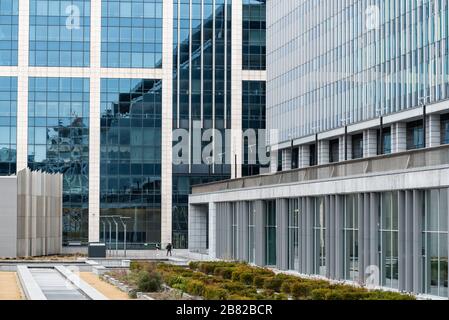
(98, 87)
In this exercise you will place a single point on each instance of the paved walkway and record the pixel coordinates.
(9, 286)
(105, 288)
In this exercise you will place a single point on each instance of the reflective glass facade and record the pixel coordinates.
(254, 39)
(9, 32)
(378, 57)
(253, 117)
(60, 33)
(130, 162)
(67, 39)
(131, 33)
(8, 125)
(58, 141)
(201, 92)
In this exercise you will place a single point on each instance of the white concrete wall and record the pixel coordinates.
(8, 217)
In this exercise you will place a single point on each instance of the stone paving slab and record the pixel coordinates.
(105, 288)
(9, 286)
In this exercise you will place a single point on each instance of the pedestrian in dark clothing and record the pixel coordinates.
(168, 247)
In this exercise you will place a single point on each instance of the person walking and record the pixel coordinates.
(169, 248)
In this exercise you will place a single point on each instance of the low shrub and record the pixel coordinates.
(194, 265)
(246, 278)
(386, 295)
(259, 281)
(149, 281)
(286, 286)
(173, 280)
(319, 294)
(233, 287)
(238, 297)
(302, 290)
(224, 272)
(195, 287)
(214, 293)
(132, 294)
(273, 284)
(280, 296)
(206, 268)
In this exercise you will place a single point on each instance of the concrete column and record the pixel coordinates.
(398, 137)
(167, 123)
(243, 231)
(259, 232)
(401, 239)
(236, 83)
(323, 152)
(374, 232)
(228, 253)
(433, 134)
(282, 234)
(366, 254)
(369, 143)
(418, 198)
(94, 122)
(339, 241)
(212, 230)
(361, 236)
(304, 156)
(274, 161)
(309, 235)
(286, 160)
(304, 234)
(22, 86)
(329, 242)
(408, 242)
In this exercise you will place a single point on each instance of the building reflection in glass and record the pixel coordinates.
(58, 141)
(8, 126)
(130, 179)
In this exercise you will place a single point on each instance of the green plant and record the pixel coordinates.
(214, 293)
(259, 281)
(193, 265)
(280, 296)
(224, 272)
(233, 287)
(273, 284)
(246, 278)
(286, 287)
(132, 294)
(319, 294)
(238, 297)
(301, 290)
(195, 287)
(149, 282)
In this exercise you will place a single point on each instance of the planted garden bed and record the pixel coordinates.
(238, 281)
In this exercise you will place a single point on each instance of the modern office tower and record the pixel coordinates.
(357, 105)
(96, 89)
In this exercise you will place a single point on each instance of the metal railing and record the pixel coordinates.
(407, 160)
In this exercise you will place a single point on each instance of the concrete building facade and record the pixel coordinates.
(358, 191)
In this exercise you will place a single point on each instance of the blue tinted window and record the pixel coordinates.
(8, 127)
(254, 42)
(60, 33)
(253, 117)
(9, 17)
(58, 141)
(131, 34)
(130, 178)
